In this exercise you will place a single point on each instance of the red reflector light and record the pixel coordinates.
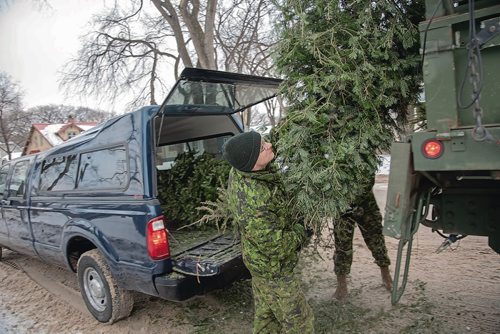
(432, 149)
(157, 239)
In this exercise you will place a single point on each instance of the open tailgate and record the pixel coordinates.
(209, 257)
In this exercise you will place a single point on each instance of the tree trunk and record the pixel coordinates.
(168, 12)
(203, 41)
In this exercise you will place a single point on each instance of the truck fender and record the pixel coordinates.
(85, 230)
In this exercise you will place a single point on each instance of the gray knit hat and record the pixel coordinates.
(242, 150)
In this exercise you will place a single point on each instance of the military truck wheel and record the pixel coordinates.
(105, 300)
(0, 253)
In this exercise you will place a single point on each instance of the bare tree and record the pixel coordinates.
(199, 19)
(131, 45)
(122, 55)
(245, 38)
(274, 110)
(12, 131)
(60, 113)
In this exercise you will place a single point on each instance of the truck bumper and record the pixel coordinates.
(179, 286)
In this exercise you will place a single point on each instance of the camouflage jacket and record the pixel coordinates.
(270, 240)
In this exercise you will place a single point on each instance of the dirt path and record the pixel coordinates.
(457, 291)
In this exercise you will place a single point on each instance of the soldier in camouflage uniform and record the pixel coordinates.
(270, 240)
(366, 214)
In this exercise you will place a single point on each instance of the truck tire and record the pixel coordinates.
(0, 253)
(105, 300)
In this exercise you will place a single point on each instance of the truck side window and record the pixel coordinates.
(17, 182)
(103, 169)
(4, 172)
(59, 173)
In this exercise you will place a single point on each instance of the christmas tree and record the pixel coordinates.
(352, 71)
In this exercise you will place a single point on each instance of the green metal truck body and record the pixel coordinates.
(448, 176)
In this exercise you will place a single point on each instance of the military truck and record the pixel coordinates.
(447, 177)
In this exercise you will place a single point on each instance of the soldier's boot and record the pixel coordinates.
(341, 292)
(386, 278)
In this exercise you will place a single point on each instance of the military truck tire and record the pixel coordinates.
(0, 253)
(106, 301)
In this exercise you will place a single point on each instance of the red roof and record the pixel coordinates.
(77, 124)
(40, 126)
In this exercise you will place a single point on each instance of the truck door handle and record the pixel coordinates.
(5, 202)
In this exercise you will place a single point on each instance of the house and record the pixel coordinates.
(43, 136)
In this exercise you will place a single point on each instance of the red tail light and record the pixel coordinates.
(157, 239)
(432, 148)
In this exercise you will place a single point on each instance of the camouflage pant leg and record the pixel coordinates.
(370, 224)
(366, 214)
(343, 232)
(281, 307)
(264, 319)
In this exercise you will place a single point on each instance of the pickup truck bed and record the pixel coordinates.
(203, 252)
(203, 260)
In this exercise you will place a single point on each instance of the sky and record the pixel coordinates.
(35, 43)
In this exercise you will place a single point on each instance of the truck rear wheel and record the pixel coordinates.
(105, 300)
(0, 253)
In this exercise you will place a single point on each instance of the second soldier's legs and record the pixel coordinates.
(366, 214)
(343, 231)
(370, 225)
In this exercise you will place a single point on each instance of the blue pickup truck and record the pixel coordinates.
(91, 204)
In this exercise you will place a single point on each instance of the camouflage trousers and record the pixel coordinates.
(366, 215)
(281, 307)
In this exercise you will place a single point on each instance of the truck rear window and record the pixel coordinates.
(166, 155)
